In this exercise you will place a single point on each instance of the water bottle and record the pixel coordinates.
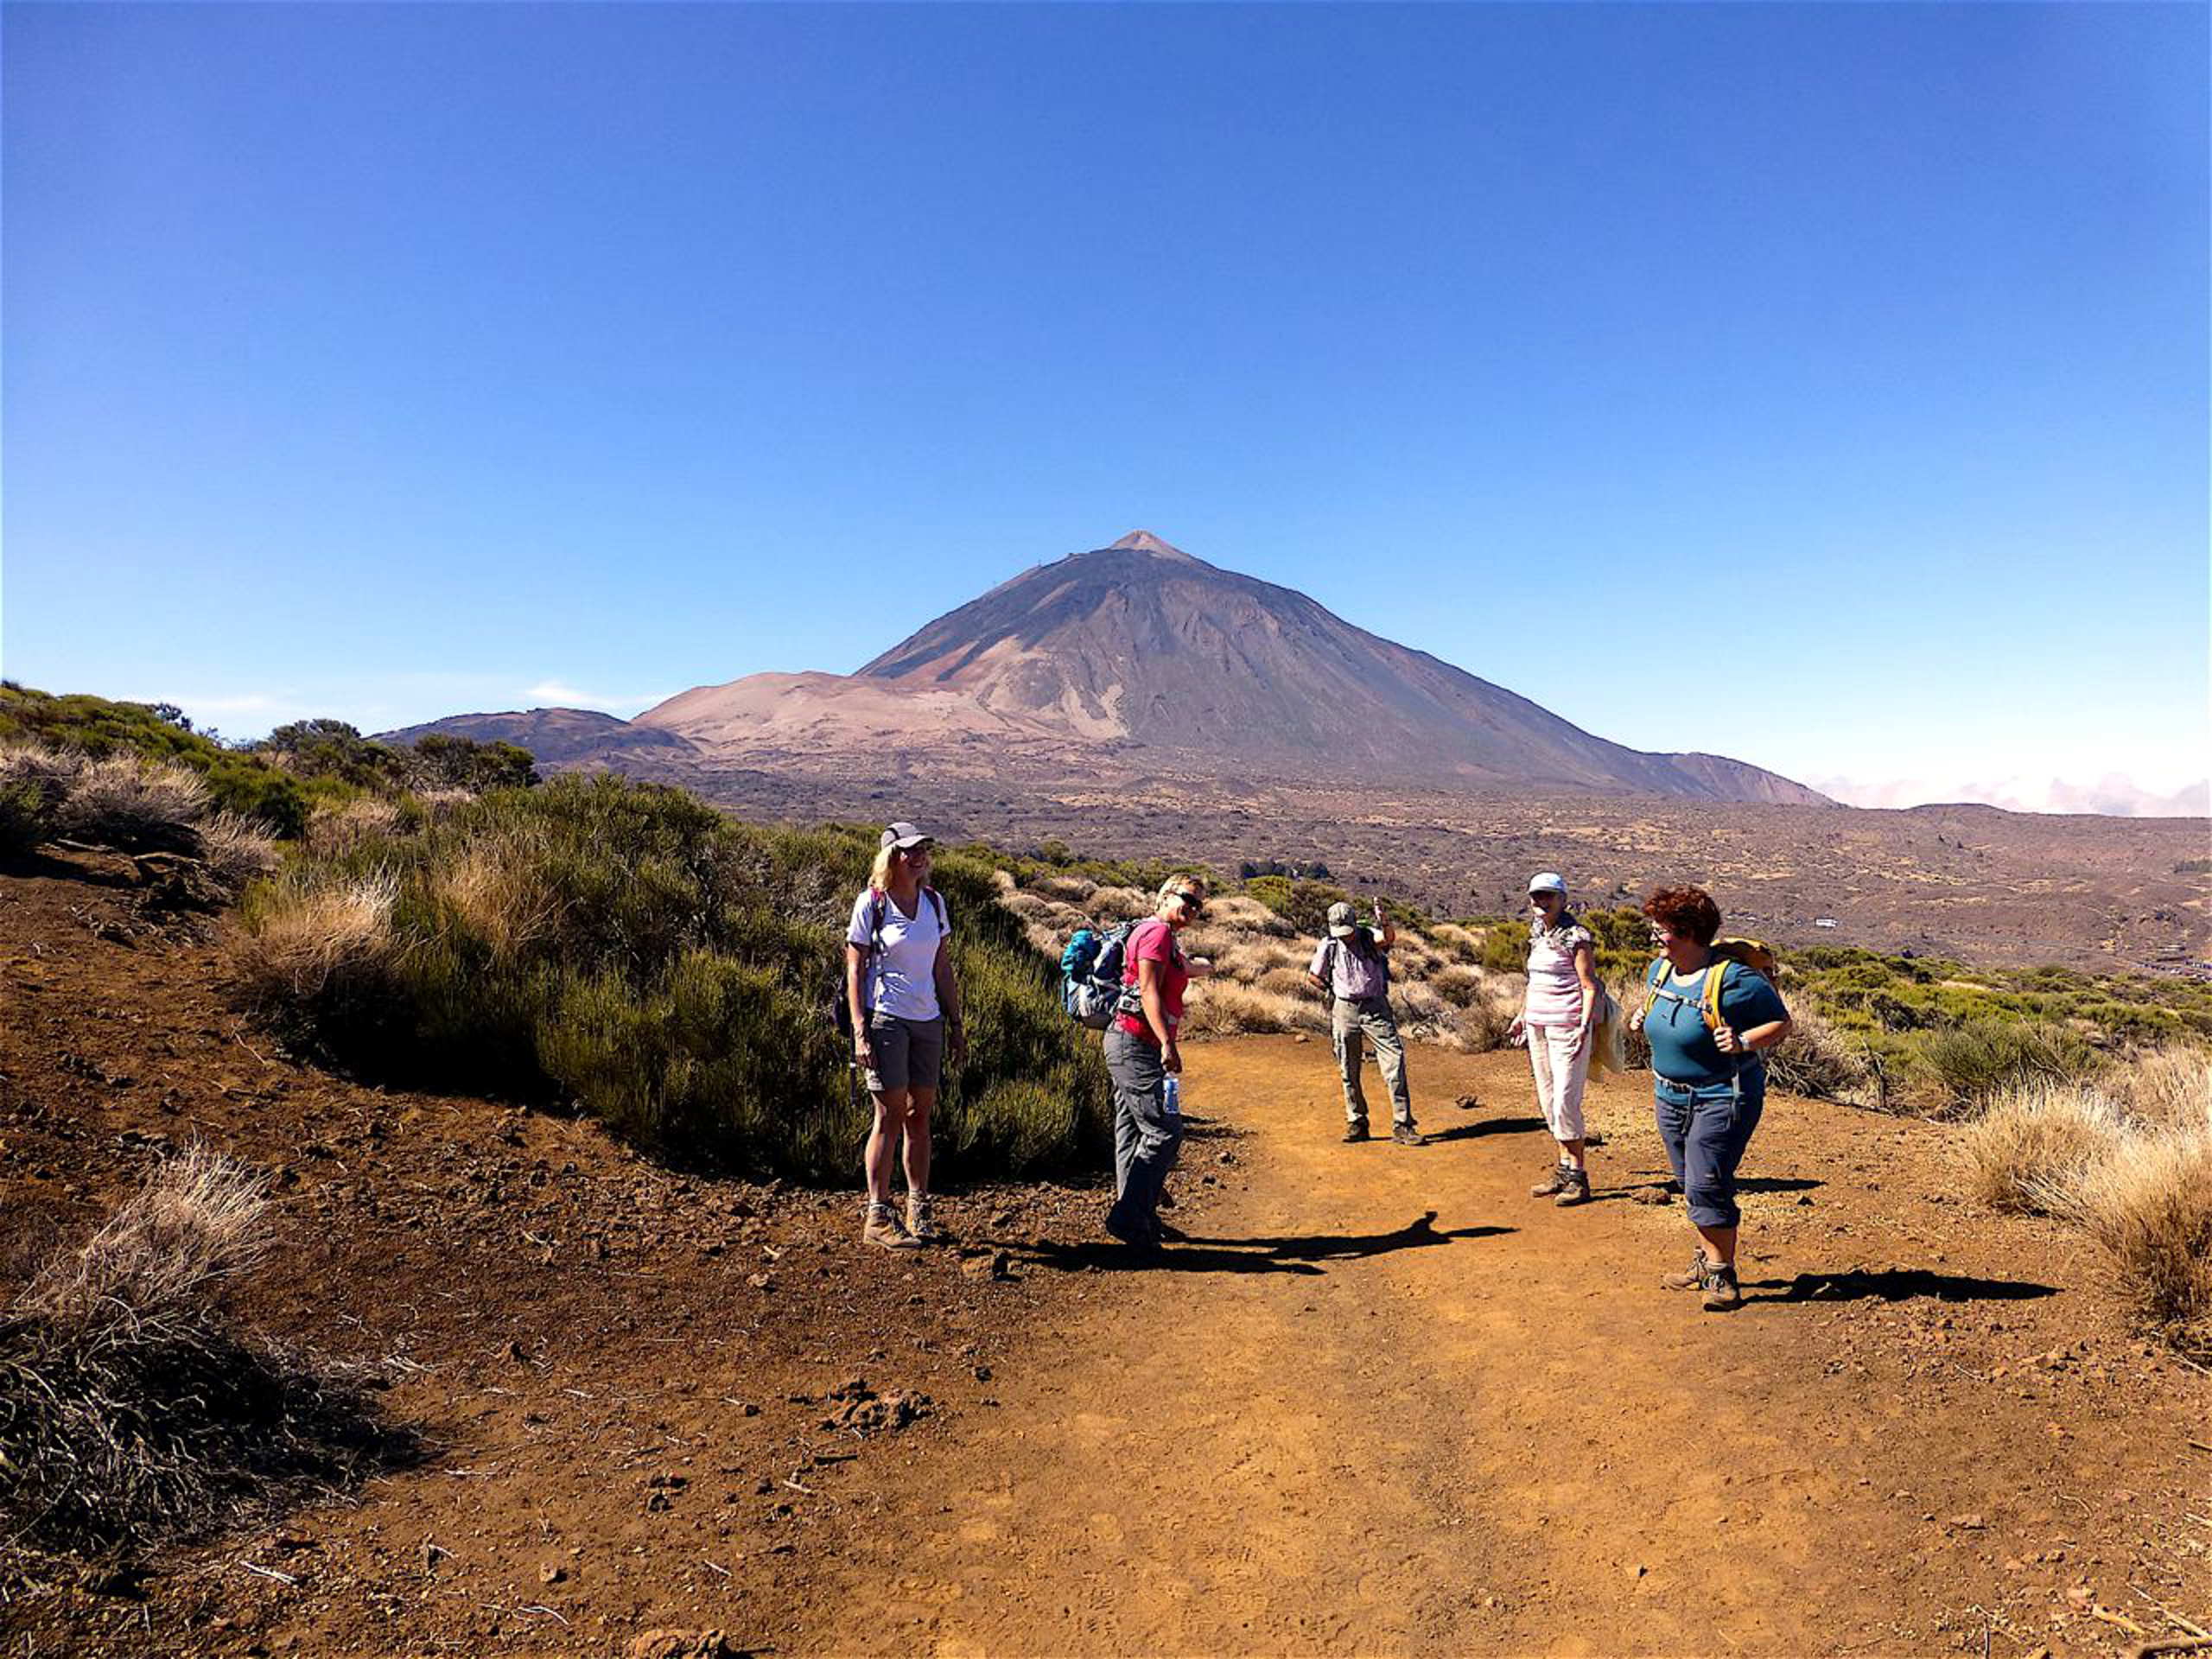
(1171, 1097)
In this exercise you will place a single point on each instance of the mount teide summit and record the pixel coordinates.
(1140, 656)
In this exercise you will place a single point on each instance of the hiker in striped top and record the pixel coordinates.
(1558, 1019)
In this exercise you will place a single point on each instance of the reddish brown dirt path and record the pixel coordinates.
(1386, 1403)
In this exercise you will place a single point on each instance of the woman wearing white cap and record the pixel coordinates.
(905, 1004)
(1556, 1020)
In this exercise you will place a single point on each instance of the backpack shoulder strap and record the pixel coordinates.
(937, 902)
(1653, 978)
(1714, 980)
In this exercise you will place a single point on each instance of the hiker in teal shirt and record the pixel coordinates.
(1710, 1081)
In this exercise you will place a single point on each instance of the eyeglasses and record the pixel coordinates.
(922, 851)
(1539, 898)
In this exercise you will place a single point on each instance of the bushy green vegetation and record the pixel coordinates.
(333, 752)
(1304, 905)
(1056, 857)
(244, 784)
(627, 947)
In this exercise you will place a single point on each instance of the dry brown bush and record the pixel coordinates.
(1111, 904)
(1068, 889)
(1027, 906)
(1481, 1024)
(1004, 882)
(50, 770)
(1222, 1008)
(2148, 1203)
(1458, 984)
(297, 936)
(1285, 982)
(129, 1410)
(1819, 1061)
(1237, 909)
(1456, 942)
(1419, 1003)
(122, 801)
(2034, 1144)
(332, 830)
(235, 851)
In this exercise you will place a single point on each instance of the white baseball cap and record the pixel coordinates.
(1547, 882)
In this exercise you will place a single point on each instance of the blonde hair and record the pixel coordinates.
(1179, 887)
(878, 875)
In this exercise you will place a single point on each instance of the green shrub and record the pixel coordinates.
(26, 815)
(242, 783)
(1304, 905)
(627, 947)
(1968, 1062)
(1505, 947)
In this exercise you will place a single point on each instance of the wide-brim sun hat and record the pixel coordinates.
(1341, 924)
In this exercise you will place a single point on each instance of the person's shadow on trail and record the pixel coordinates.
(1488, 1126)
(1297, 1254)
(1895, 1284)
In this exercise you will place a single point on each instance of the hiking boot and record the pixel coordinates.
(921, 1227)
(1691, 1278)
(1573, 1189)
(1145, 1243)
(882, 1228)
(1406, 1135)
(1722, 1294)
(1355, 1133)
(1554, 1183)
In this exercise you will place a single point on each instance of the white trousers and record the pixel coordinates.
(1558, 1077)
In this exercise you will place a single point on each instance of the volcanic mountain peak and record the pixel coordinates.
(1143, 541)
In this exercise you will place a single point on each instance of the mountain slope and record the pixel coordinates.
(1139, 646)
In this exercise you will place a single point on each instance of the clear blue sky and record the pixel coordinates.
(391, 361)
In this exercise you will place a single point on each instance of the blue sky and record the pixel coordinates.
(391, 361)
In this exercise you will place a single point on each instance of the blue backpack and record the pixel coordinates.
(1091, 975)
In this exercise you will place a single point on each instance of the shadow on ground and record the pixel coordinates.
(1897, 1285)
(1295, 1254)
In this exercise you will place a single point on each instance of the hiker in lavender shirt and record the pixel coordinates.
(1352, 968)
(1556, 1021)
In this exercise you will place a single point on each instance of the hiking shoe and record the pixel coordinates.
(1144, 1243)
(921, 1225)
(1722, 1294)
(882, 1228)
(1574, 1188)
(1554, 1183)
(1406, 1135)
(1355, 1132)
(1691, 1278)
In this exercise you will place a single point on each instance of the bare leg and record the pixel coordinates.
(891, 1105)
(920, 1101)
(1719, 1244)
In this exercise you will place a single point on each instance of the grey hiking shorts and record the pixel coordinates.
(909, 1053)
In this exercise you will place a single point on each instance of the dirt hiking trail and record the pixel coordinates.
(1383, 1401)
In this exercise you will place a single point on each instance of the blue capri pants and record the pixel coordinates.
(1707, 1127)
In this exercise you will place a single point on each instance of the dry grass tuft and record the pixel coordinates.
(129, 1411)
(2167, 1089)
(2148, 1203)
(1111, 904)
(1247, 915)
(1456, 941)
(235, 851)
(2034, 1144)
(488, 890)
(334, 830)
(1068, 889)
(300, 935)
(122, 801)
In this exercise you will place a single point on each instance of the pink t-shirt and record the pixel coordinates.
(1154, 941)
(1555, 989)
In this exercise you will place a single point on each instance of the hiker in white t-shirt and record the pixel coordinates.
(904, 1003)
(1558, 1017)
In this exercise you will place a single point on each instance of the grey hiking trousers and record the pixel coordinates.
(1355, 1023)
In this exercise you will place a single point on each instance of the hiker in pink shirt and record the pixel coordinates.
(1557, 1020)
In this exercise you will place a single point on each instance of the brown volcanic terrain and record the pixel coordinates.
(1138, 654)
(1331, 1422)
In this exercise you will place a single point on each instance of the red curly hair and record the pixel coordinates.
(1685, 910)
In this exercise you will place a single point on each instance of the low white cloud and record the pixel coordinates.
(556, 694)
(2112, 795)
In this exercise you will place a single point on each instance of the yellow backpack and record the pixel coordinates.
(1754, 954)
